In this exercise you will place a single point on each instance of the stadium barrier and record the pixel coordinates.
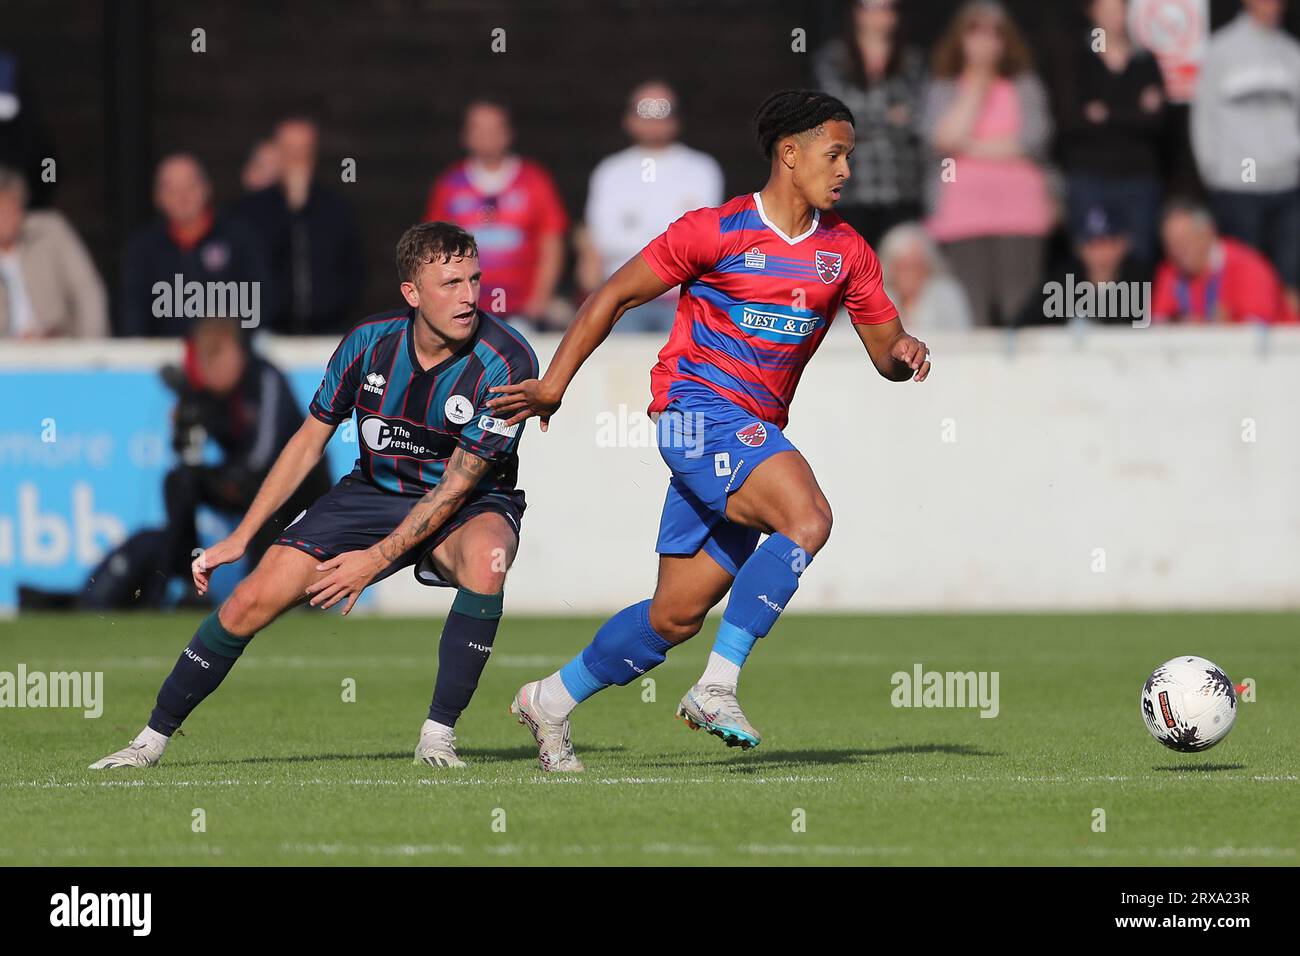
(1049, 469)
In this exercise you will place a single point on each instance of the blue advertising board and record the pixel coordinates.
(83, 453)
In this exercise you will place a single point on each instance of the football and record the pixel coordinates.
(1189, 704)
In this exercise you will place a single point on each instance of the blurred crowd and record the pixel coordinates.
(981, 176)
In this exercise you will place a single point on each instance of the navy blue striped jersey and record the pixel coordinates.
(410, 419)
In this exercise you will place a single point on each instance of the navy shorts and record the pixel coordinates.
(354, 514)
(712, 445)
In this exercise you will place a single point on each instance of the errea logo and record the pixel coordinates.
(375, 383)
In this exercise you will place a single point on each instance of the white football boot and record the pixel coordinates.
(714, 708)
(437, 746)
(554, 749)
(144, 751)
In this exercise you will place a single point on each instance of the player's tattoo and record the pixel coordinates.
(463, 472)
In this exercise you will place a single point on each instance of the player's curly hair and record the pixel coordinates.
(789, 112)
(432, 242)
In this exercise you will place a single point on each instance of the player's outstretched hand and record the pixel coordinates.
(224, 551)
(912, 352)
(523, 400)
(344, 577)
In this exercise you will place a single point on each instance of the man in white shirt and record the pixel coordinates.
(635, 193)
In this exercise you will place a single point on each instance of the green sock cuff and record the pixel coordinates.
(486, 607)
(218, 640)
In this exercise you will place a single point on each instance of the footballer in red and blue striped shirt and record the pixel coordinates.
(755, 303)
(761, 278)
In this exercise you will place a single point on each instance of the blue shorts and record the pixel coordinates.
(711, 445)
(354, 514)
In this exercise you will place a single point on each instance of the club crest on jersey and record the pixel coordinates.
(828, 266)
(458, 409)
(755, 259)
(753, 435)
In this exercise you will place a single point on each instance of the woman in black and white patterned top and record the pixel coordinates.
(882, 82)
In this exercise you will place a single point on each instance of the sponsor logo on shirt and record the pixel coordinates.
(458, 409)
(774, 322)
(374, 383)
(755, 259)
(498, 426)
(828, 266)
(499, 237)
(401, 439)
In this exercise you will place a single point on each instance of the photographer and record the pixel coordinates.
(244, 404)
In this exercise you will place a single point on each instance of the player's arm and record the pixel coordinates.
(350, 573)
(300, 455)
(896, 355)
(633, 284)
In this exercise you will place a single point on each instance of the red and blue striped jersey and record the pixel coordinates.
(755, 303)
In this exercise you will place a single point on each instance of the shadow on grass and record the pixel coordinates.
(1201, 768)
(767, 760)
(475, 754)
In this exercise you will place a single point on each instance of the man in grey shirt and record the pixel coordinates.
(1246, 135)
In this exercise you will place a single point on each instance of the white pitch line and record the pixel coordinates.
(411, 850)
(572, 780)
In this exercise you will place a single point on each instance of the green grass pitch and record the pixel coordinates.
(287, 772)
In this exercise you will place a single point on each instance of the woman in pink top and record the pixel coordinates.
(986, 119)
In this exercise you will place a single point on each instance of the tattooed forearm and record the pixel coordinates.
(463, 472)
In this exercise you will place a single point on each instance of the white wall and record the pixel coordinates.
(1126, 440)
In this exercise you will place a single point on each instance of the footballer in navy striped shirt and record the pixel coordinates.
(434, 489)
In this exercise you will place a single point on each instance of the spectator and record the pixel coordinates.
(189, 240)
(513, 210)
(1246, 135)
(311, 239)
(1103, 256)
(882, 81)
(987, 120)
(636, 193)
(1110, 115)
(1212, 278)
(48, 284)
(263, 167)
(918, 282)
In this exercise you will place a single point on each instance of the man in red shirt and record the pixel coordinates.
(1211, 278)
(513, 210)
(761, 277)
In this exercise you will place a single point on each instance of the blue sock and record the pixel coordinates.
(463, 652)
(763, 587)
(624, 648)
(202, 666)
